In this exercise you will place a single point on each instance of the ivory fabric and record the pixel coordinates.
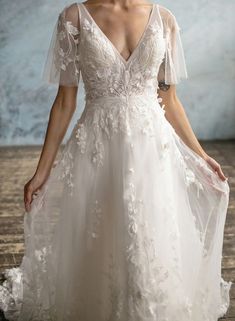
(129, 225)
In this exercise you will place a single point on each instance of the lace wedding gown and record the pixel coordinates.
(129, 225)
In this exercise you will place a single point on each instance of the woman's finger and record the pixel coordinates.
(220, 173)
(28, 197)
(217, 168)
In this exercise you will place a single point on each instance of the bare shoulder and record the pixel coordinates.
(71, 14)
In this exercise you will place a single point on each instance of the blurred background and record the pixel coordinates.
(207, 30)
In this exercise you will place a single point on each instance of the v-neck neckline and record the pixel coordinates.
(125, 61)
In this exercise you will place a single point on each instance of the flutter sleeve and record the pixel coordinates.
(173, 67)
(62, 62)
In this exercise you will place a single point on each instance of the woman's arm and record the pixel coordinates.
(177, 117)
(60, 115)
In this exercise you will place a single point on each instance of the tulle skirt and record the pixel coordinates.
(128, 226)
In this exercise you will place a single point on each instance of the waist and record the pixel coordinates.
(125, 98)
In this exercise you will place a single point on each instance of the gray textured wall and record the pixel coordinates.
(208, 95)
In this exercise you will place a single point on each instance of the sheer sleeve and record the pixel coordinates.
(62, 62)
(173, 67)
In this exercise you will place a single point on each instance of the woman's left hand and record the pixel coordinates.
(216, 167)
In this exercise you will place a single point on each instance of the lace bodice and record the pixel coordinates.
(80, 47)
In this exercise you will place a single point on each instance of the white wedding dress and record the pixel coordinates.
(129, 225)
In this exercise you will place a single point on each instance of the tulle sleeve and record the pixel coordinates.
(173, 67)
(62, 62)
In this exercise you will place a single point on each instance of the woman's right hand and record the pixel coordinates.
(30, 189)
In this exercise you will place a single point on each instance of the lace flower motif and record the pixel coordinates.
(67, 162)
(81, 136)
(95, 217)
(66, 46)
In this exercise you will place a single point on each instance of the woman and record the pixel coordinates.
(128, 223)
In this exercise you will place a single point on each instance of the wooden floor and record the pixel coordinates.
(18, 165)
